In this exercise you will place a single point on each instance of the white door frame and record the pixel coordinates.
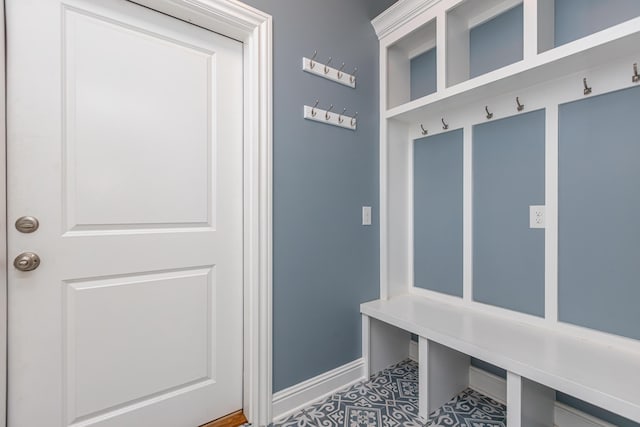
(253, 28)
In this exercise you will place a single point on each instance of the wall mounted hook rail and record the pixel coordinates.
(325, 116)
(334, 74)
(520, 106)
(587, 89)
(489, 115)
(636, 76)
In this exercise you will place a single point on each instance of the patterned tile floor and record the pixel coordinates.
(390, 399)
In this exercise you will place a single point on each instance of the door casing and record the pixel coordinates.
(254, 29)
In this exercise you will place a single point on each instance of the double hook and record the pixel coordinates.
(636, 77)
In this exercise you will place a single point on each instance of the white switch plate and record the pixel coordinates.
(366, 215)
(537, 217)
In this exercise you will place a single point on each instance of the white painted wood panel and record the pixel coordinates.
(556, 359)
(125, 140)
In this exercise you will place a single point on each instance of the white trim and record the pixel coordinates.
(398, 15)
(291, 399)
(254, 29)
(496, 388)
(3, 230)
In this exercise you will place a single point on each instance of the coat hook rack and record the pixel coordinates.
(327, 117)
(587, 89)
(520, 106)
(424, 131)
(324, 70)
(636, 76)
(489, 115)
(445, 126)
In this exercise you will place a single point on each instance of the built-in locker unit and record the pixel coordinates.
(509, 192)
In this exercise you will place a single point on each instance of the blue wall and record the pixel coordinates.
(325, 263)
(577, 18)
(437, 206)
(598, 205)
(496, 43)
(508, 176)
(423, 73)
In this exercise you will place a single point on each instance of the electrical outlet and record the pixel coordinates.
(537, 217)
(366, 215)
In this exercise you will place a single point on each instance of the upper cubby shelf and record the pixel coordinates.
(443, 53)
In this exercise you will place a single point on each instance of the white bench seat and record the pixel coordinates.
(603, 375)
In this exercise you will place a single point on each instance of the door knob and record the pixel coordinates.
(27, 261)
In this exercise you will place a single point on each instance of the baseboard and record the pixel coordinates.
(413, 350)
(496, 388)
(488, 384)
(291, 399)
(566, 416)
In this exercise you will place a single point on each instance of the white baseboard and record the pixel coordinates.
(413, 350)
(496, 388)
(291, 399)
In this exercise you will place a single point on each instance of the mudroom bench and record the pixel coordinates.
(538, 360)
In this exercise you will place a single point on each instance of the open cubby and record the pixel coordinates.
(482, 37)
(563, 21)
(412, 66)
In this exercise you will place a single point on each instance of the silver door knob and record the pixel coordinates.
(27, 261)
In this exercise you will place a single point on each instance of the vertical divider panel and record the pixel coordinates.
(529, 404)
(399, 69)
(530, 41)
(441, 51)
(444, 373)
(366, 345)
(514, 399)
(467, 212)
(546, 37)
(388, 345)
(457, 40)
(398, 205)
(551, 214)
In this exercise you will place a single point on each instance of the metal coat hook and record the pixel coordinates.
(445, 126)
(340, 73)
(340, 119)
(520, 106)
(587, 89)
(326, 69)
(352, 79)
(353, 119)
(636, 76)
(311, 63)
(424, 131)
(313, 109)
(326, 115)
(489, 115)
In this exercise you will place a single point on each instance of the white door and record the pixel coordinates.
(125, 142)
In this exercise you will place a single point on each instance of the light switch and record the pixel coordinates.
(366, 215)
(537, 217)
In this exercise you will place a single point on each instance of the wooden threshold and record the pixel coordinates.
(234, 419)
